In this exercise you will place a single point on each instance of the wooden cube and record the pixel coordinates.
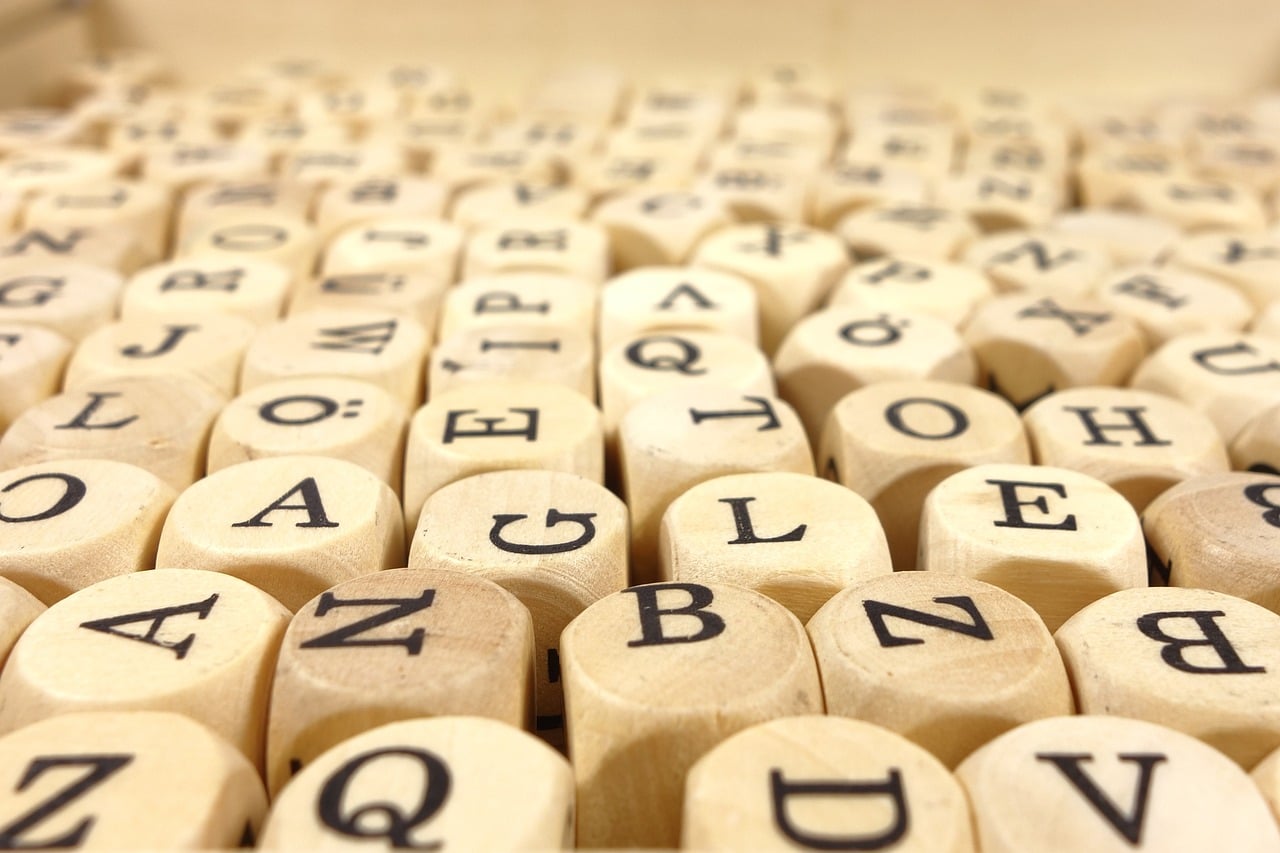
(578, 249)
(349, 203)
(406, 245)
(291, 525)
(495, 426)
(67, 297)
(1031, 346)
(1130, 238)
(1228, 376)
(650, 227)
(1131, 655)
(206, 348)
(1001, 200)
(840, 349)
(253, 289)
(109, 247)
(113, 647)
(944, 290)
(289, 241)
(1137, 442)
(1057, 539)
(808, 538)
(393, 646)
(823, 782)
(537, 352)
(755, 194)
(50, 169)
(1255, 447)
(1201, 205)
(947, 662)
(142, 208)
(674, 440)
(1217, 532)
(792, 268)
(1040, 263)
(322, 416)
(417, 296)
(1167, 301)
(434, 781)
(854, 184)
(908, 230)
(158, 423)
(892, 442)
(469, 164)
(1249, 261)
(32, 359)
(205, 204)
(323, 165)
(127, 779)
(556, 541)
(18, 608)
(181, 165)
(516, 202)
(521, 297)
(677, 298)
(927, 150)
(381, 347)
(655, 677)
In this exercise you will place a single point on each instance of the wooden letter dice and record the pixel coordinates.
(291, 525)
(391, 646)
(199, 643)
(32, 359)
(657, 675)
(463, 783)
(947, 662)
(576, 249)
(67, 297)
(250, 288)
(1055, 538)
(653, 298)
(1191, 659)
(648, 227)
(1109, 784)
(113, 780)
(795, 538)
(537, 352)
(556, 541)
(823, 783)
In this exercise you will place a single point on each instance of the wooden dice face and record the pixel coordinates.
(34, 170)
(576, 249)
(1201, 205)
(67, 524)
(292, 525)
(1106, 783)
(518, 298)
(180, 165)
(434, 782)
(1168, 302)
(415, 295)
(815, 781)
(204, 348)
(1255, 447)
(204, 204)
(892, 442)
(253, 289)
(1130, 238)
(396, 645)
(1194, 660)
(31, 367)
(534, 351)
(947, 291)
(653, 298)
(287, 240)
(1055, 538)
(1192, 526)
(655, 227)
(141, 207)
(69, 298)
(342, 418)
(381, 347)
(157, 423)
(118, 779)
(908, 230)
(346, 204)
(947, 662)
(655, 676)
(1039, 262)
(1137, 442)
(199, 643)
(1248, 261)
(1229, 377)
(517, 202)
(1029, 346)
(18, 608)
(792, 537)
(851, 185)
(411, 245)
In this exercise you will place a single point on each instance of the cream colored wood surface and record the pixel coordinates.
(518, 203)
(947, 662)
(183, 165)
(1249, 261)
(344, 205)
(1028, 346)
(656, 227)
(821, 781)
(418, 297)
(142, 208)
(895, 284)
(536, 352)
(70, 297)
(204, 203)
(396, 645)
(67, 524)
(50, 169)
(138, 779)
(1000, 200)
(1198, 205)
(291, 525)
(837, 350)
(396, 244)
(495, 426)
(18, 607)
(1130, 654)
(435, 782)
(577, 249)
(377, 346)
(32, 359)
(1137, 442)
(893, 442)
(857, 183)
(1105, 783)
(672, 441)
(340, 418)
(519, 297)
(1257, 446)
(1168, 301)
(1193, 527)
(656, 676)
(158, 423)
(287, 240)
(1130, 238)
(1039, 262)
(253, 289)
(792, 268)
(199, 643)
(908, 231)
(650, 299)
(556, 541)
(754, 194)
(1055, 538)
(792, 537)
(205, 348)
